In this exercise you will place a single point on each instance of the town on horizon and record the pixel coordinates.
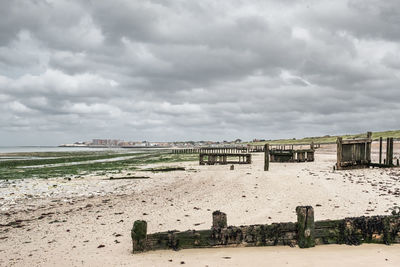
(143, 144)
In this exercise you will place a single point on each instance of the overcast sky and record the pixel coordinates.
(196, 70)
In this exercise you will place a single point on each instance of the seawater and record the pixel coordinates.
(16, 149)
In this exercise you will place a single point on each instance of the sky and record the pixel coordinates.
(169, 70)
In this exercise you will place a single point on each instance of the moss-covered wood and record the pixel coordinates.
(305, 232)
(219, 219)
(139, 236)
(328, 232)
(305, 226)
(375, 229)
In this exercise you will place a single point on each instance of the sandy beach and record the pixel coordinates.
(87, 221)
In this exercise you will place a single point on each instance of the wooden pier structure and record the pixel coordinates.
(200, 150)
(237, 149)
(224, 158)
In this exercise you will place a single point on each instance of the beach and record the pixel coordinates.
(87, 221)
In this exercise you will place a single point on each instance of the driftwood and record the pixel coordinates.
(165, 169)
(128, 178)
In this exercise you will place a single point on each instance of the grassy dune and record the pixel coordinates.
(330, 139)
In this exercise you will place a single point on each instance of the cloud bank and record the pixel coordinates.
(196, 70)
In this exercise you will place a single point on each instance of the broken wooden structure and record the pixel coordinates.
(224, 158)
(292, 155)
(356, 153)
(237, 149)
(305, 233)
(200, 150)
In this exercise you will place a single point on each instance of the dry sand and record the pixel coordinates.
(62, 223)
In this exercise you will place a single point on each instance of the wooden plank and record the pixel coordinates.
(355, 141)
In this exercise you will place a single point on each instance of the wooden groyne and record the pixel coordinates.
(223, 159)
(212, 150)
(304, 233)
(356, 153)
(289, 155)
(237, 149)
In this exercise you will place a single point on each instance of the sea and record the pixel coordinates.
(16, 149)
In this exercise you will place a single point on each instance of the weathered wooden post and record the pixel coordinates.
(139, 236)
(266, 157)
(391, 152)
(305, 226)
(368, 147)
(219, 219)
(339, 153)
(387, 151)
(380, 150)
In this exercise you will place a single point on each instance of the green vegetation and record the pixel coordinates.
(12, 169)
(70, 159)
(328, 139)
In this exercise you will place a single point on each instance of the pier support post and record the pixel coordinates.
(380, 150)
(266, 157)
(305, 226)
(219, 219)
(139, 236)
(391, 151)
(339, 153)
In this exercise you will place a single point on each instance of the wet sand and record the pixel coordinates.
(331, 255)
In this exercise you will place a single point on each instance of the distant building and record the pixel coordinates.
(105, 142)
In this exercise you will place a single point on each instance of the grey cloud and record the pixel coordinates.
(168, 70)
